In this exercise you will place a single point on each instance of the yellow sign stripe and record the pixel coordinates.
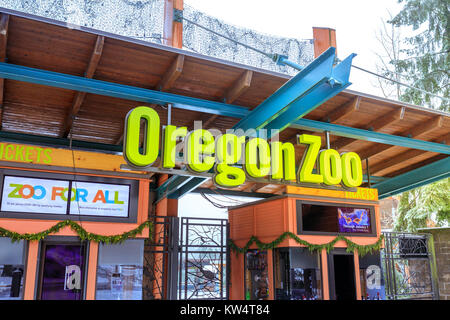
(60, 157)
(360, 194)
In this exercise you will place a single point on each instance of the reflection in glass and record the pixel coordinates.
(63, 272)
(120, 271)
(297, 274)
(11, 269)
(256, 275)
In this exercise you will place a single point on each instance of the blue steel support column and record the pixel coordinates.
(324, 90)
(313, 85)
(416, 178)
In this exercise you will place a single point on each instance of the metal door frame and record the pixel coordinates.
(393, 256)
(189, 246)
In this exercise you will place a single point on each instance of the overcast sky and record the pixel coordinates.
(355, 22)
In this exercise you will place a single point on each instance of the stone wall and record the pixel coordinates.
(441, 238)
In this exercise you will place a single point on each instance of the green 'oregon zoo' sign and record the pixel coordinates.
(233, 157)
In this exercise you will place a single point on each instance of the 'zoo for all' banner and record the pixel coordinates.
(22, 194)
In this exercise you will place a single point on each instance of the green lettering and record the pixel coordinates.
(47, 153)
(228, 176)
(171, 133)
(19, 152)
(228, 152)
(15, 193)
(8, 154)
(309, 158)
(38, 158)
(116, 198)
(257, 158)
(199, 150)
(351, 169)
(132, 134)
(330, 166)
(283, 160)
(28, 154)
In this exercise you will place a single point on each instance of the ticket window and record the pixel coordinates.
(120, 271)
(256, 275)
(62, 270)
(297, 274)
(12, 257)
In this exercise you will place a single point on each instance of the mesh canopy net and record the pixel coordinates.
(144, 20)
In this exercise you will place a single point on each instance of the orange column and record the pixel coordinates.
(323, 39)
(30, 273)
(270, 271)
(325, 284)
(357, 278)
(92, 271)
(237, 276)
(173, 30)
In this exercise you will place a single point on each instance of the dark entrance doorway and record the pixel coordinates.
(342, 276)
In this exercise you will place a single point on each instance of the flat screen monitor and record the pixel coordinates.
(334, 218)
(353, 220)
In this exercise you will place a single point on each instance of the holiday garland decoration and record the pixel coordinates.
(351, 246)
(82, 233)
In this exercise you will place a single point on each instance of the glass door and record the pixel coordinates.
(62, 271)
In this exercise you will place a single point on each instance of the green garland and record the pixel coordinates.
(82, 233)
(351, 246)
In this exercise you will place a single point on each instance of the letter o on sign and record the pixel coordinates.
(351, 169)
(330, 166)
(151, 136)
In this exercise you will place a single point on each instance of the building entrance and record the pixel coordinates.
(342, 276)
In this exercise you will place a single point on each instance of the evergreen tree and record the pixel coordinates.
(424, 64)
(427, 65)
(418, 206)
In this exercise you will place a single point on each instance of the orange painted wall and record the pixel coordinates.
(269, 219)
(102, 228)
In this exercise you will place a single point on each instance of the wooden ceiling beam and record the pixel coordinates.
(167, 81)
(375, 125)
(407, 155)
(4, 22)
(249, 186)
(415, 132)
(235, 91)
(417, 165)
(343, 111)
(172, 74)
(89, 73)
(258, 186)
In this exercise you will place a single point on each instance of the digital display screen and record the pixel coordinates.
(51, 196)
(354, 220)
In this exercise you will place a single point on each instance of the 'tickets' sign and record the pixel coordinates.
(233, 157)
(23, 194)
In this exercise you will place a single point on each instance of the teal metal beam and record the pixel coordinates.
(62, 142)
(14, 72)
(170, 186)
(372, 136)
(66, 81)
(329, 86)
(413, 179)
(314, 84)
(20, 73)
